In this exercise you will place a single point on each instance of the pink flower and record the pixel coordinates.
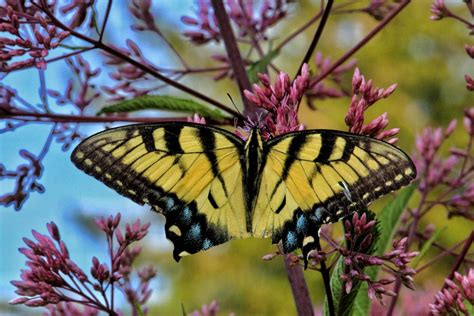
(53, 279)
(280, 100)
(196, 118)
(243, 15)
(450, 300)
(364, 95)
(439, 10)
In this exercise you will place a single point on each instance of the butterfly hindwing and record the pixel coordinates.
(319, 176)
(191, 173)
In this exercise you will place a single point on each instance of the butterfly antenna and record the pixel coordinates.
(233, 103)
(237, 109)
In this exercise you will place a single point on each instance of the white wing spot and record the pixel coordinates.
(388, 183)
(175, 229)
(365, 196)
(377, 189)
(98, 169)
(307, 240)
(398, 177)
(119, 183)
(408, 171)
(79, 155)
(88, 162)
(132, 192)
(184, 253)
(108, 176)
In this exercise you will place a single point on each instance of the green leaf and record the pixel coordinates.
(388, 219)
(343, 304)
(260, 66)
(469, 307)
(162, 102)
(183, 310)
(336, 286)
(427, 246)
(139, 309)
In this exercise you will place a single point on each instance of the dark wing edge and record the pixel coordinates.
(387, 169)
(185, 226)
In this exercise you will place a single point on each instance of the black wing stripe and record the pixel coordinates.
(327, 146)
(294, 148)
(208, 143)
(348, 149)
(148, 140)
(171, 138)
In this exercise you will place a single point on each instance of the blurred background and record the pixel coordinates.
(425, 58)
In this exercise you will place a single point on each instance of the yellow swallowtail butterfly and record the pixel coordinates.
(212, 186)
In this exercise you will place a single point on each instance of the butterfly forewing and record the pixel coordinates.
(319, 176)
(191, 173)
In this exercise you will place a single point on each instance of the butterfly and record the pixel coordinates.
(212, 186)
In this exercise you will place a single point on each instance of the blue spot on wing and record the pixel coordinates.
(195, 231)
(207, 244)
(169, 204)
(301, 224)
(291, 240)
(187, 214)
(318, 213)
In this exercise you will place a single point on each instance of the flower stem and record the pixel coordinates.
(460, 258)
(40, 117)
(234, 54)
(317, 36)
(298, 285)
(364, 41)
(326, 280)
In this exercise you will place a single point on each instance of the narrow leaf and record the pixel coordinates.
(388, 219)
(138, 309)
(427, 246)
(345, 301)
(260, 66)
(336, 286)
(162, 102)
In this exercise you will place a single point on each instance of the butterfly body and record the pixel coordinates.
(212, 186)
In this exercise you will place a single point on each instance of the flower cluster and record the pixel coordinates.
(54, 278)
(439, 11)
(453, 298)
(141, 11)
(26, 178)
(28, 36)
(453, 174)
(365, 95)
(360, 234)
(210, 309)
(318, 89)
(241, 13)
(86, 93)
(128, 75)
(280, 100)
(196, 118)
